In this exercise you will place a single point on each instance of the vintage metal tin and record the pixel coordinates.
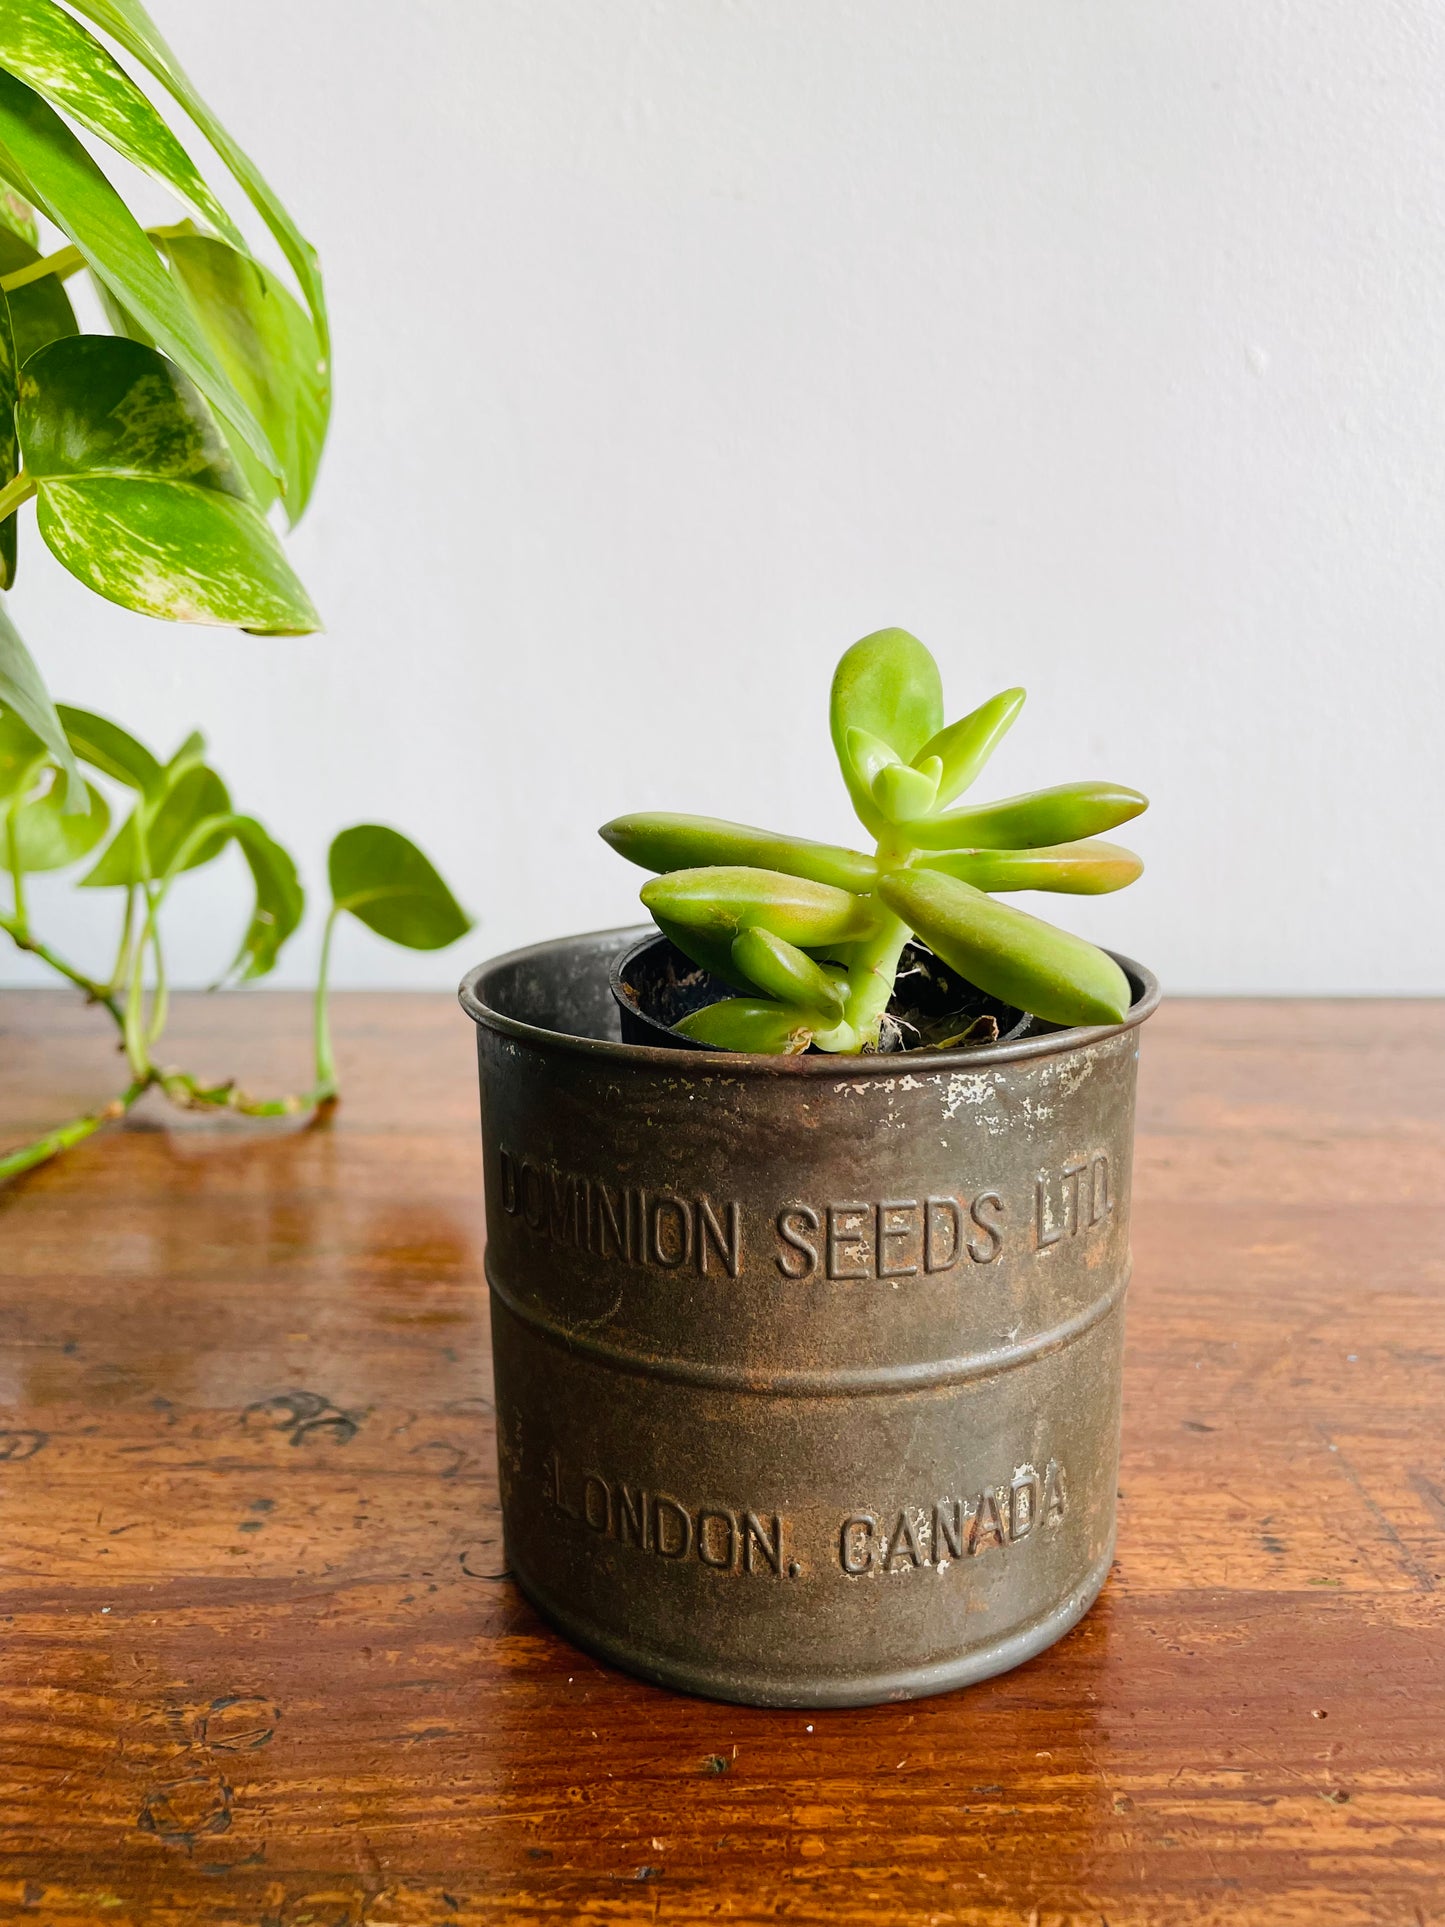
(807, 1369)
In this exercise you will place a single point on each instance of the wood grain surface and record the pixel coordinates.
(260, 1661)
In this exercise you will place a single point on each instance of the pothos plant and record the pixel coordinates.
(812, 934)
(154, 455)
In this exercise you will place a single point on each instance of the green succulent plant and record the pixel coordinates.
(811, 934)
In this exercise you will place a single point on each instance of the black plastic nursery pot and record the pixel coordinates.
(654, 986)
(807, 1368)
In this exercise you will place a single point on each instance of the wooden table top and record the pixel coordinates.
(260, 1662)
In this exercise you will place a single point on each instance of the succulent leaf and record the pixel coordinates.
(731, 898)
(1028, 822)
(1010, 954)
(1089, 868)
(787, 973)
(712, 950)
(662, 841)
(965, 746)
(751, 1024)
(905, 794)
(887, 684)
(869, 755)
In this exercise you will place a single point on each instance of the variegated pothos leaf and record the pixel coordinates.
(17, 216)
(42, 157)
(48, 836)
(280, 901)
(41, 310)
(44, 46)
(382, 878)
(138, 495)
(24, 696)
(132, 28)
(267, 344)
(194, 797)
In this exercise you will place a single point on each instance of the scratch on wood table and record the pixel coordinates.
(261, 1664)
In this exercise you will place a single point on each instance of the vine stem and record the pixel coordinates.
(17, 875)
(64, 1136)
(191, 1095)
(186, 1092)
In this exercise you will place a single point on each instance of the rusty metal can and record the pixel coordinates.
(807, 1369)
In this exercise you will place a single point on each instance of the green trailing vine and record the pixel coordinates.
(154, 457)
(180, 817)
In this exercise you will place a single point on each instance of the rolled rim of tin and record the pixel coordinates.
(659, 1057)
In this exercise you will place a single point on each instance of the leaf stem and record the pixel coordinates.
(325, 1063)
(195, 839)
(160, 996)
(134, 1028)
(122, 955)
(27, 1156)
(62, 264)
(16, 492)
(17, 875)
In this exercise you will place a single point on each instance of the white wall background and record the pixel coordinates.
(680, 342)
